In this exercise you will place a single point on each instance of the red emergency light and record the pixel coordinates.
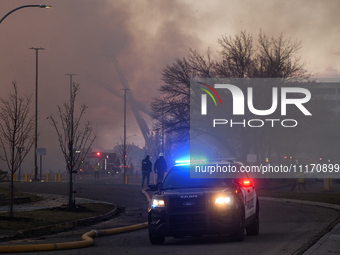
(245, 183)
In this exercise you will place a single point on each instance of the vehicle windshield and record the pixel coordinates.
(179, 177)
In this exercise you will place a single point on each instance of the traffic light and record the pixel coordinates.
(98, 154)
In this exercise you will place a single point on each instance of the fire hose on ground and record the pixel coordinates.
(87, 238)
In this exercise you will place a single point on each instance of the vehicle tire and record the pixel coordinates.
(238, 236)
(156, 239)
(254, 228)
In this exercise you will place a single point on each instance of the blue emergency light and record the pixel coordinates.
(187, 161)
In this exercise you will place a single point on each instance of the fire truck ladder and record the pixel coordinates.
(149, 141)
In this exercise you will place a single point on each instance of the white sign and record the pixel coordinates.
(252, 158)
(40, 151)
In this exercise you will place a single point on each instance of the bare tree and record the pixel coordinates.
(74, 141)
(16, 132)
(276, 58)
(172, 110)
(130, 150)
(273, 57)
(238, 56)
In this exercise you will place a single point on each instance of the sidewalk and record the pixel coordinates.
(328, 244)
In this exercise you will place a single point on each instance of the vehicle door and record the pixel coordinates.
(249, 194)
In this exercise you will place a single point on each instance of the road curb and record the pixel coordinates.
(60, 227)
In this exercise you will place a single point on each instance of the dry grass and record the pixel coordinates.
(34, 198)
(38, 218)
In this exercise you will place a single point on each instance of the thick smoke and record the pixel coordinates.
(81, 36)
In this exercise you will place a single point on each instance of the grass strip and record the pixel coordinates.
(7, 193)
(45, 217)
(323, 197)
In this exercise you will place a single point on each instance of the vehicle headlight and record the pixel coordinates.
(223, 200)
(158, 203)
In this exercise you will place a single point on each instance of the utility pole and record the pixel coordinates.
(124, 150)
(70, 74)
(162, 126)
(36, 115)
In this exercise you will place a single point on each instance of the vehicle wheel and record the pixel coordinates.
(254, 228)
(238, 236)
(156, 239)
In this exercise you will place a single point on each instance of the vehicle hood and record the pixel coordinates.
(196, 191)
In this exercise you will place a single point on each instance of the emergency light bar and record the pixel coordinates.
(190, 161)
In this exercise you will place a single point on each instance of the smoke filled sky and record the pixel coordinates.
(81, 36)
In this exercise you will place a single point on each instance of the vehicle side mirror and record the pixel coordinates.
(155, 187)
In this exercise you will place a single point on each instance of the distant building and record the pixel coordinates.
(329, 91)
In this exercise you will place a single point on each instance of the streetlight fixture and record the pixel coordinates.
(130, 136)
(44, 6)
(36, 114)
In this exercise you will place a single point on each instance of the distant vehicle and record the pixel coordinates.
(114, 171)
(184, 206)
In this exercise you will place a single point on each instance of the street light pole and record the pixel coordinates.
(36, 114)
(71, 149)
(25, 6)
(70, 74)
(124, 151)
(36, 85)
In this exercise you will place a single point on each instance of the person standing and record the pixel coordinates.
(146, 170)
(96, 172)
(160, 167)
(131, 169)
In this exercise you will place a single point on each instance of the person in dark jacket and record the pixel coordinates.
(146, 170)
(160, 167)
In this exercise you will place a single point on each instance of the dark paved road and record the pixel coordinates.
(285, 227)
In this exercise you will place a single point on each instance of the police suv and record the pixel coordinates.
(184, 206)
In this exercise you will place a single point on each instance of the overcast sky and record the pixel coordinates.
(81, 36)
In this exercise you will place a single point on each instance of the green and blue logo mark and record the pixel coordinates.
(204, 97)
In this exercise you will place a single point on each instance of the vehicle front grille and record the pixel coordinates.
(187, 204)
(187, 212)
(187, 222)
